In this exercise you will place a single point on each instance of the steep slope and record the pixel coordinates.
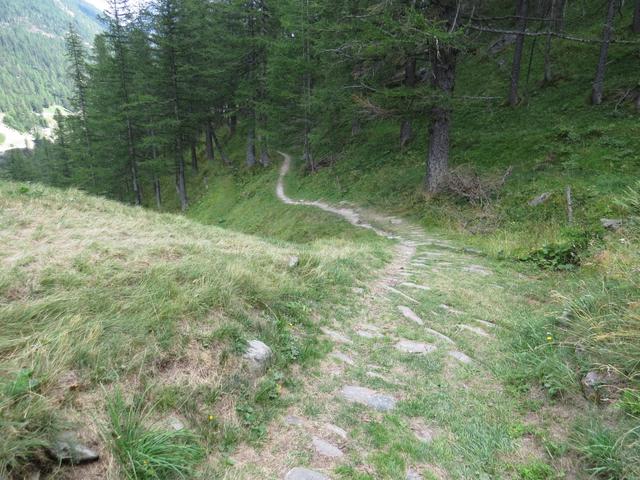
(32, 63)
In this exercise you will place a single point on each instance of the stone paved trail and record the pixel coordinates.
(405, 393)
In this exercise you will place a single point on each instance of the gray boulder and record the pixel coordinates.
(257, 356)
(611, 223)
(299, 473)
(539, 200)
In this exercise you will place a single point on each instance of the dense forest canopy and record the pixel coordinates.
(163, 79)
(33, 75)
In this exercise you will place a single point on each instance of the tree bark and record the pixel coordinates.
(156, 186)
(209, 152)
(521, 15)
(307, 156)
(233, 124)
(635, 26)
(556, 16)
(223, 155)
(194, 157)
(251, 147)
(598, 83)
(182, 187)
(444, 68)
(265, 160)
(406, 133)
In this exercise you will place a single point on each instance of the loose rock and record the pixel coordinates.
(611, 223)
(258, 355)
(293, 420)
(413, 475)
(299, 473)
(600, 387)
(336, 430)
(476, 330)
(294, 261)
(343, 357)
(66, 448)
(368, 397)
(539, 200)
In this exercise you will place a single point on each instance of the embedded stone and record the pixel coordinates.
(476, 330)
(294, 261)
(343, 357)
(414, 285)
(461, 357)
(326, 449)
(336, 336)
(611, 223)
(67, 448)
(299, 473)
(409, 346)
(368, 397)
(410, 314)
(342, 433)
(539, 200)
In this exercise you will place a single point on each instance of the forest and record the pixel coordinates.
(163, 80)
(427, 210)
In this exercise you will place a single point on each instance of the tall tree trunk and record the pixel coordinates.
(444, 70)
(598, 83)
(265, 160)
(406, 131)
(556, 16)
(251, 146)
(132, 164)
(635, 26)
(156, 186)
(209, 152)
(223, 155)
(307, 156)
(233, 124)
(182, 187)
(194, 157)
(521, 15)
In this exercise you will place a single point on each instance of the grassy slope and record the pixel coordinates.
(554, 139)
(94, 293)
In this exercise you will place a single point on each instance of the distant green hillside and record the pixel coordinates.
(32, 63)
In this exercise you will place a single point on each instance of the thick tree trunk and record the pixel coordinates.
(223, 155)
(598, 83)
(521, 15)
(251, 147)
(156, 186)
(635, 26)
(444, 69)
(194, 157)
(209, 152)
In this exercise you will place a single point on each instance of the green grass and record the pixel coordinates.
(148, 452)
(2, 138)
(119, 296)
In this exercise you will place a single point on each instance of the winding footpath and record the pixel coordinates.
(405, 393)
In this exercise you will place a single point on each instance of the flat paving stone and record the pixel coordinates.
(343, 357)
(476, 330)
(398, 292)
(439, 335)
(409, 346)
(479, 269)
(299, 473)
(461, 357)
(341, 432)
(368, 397)
(336, 336)
(415, 285)
(410, 314)
(450, 309)
(326, 449)
(294, 420)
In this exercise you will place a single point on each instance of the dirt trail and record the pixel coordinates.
(404, 394)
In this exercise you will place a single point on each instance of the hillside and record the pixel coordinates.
(33, 71)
